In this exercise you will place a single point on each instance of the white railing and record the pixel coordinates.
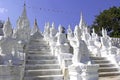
(115, 42)
(23, 69)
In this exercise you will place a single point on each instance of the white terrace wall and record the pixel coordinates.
(11, 72)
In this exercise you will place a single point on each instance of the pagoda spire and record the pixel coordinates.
(93, 30)
(7, 28)
(53, 24)
(69, 30)
(35, 25)
(24, 13)
(8, 21)
(81, 19)
(35, 28)
(82, 23)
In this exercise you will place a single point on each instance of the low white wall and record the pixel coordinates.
(11, 72)
(115, 42)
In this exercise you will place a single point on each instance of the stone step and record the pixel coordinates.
(32, 45)
(108, 69)
(41, 62)
(38, 46)
(37, 41)
(105, 74)
(46, 77)
(98, 58)
(41, 57)
(30, 51)
(106, 65)
(42, 41)
(39, 52)
(41, 72)
(43, 66)
(101, 61)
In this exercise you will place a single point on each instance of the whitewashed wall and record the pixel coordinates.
(10, 72)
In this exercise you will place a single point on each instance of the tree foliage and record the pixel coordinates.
(109, 20)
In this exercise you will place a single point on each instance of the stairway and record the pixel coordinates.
(107, 68)
(40, 64)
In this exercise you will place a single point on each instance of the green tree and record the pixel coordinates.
(110, 20)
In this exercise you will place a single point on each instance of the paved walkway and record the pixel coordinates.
(110, 78)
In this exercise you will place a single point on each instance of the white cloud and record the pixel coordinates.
(3, 10)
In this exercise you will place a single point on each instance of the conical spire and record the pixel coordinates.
(93, 30)
(7, 28)
(103, 32)
(24, 13)
(60, 29)
(69, 27)
(77, 32)
(35, 25)
(81, 19)
(8, 21)
(35, 22)
(53, 31)
(35, 28)
(53, 25)
(7, 24)
(69, 30)
(35, 31)
(93, 33)
(82, 23)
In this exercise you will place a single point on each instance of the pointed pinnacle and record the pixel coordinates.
(35, 22)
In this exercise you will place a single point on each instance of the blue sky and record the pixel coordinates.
(62, 12)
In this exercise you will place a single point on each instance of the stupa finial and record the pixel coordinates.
(24, 14)
(82, 23)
